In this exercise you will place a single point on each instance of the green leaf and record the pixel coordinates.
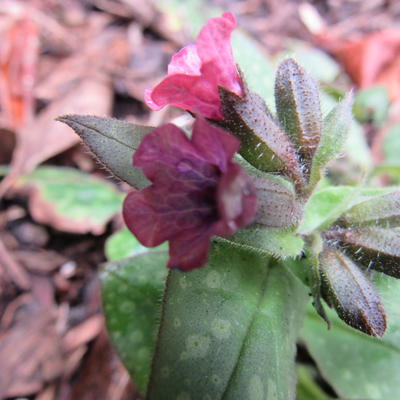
(307, 388)
(131, 291)
(356, 365)
(228, 330)
(257, 68)
(277, 242)
(298, 107)
(113, 142)
(333, 138)
(71, 200)
(123, 244)
(326, 206)
(316, 62)
(372, 104)
(391, 146)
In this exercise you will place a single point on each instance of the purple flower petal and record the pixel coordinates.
(196, 192)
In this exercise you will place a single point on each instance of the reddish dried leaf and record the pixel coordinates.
(371, 59)
(19, 50)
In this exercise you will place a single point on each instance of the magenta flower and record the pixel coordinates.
(197, 192)
(196, 72)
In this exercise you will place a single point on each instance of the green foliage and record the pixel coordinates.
(123, 244)
(391, 146)
(113, 142)
(316, 62)
(71, 199)
(356, 365)
(277, 242)
(326, 206)
(372, 104)
(307, 389)
(131, 290)
(257, 68)
(243, 305)
(333, 138)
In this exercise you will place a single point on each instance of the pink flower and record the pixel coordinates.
(196, 72)
(197, 192)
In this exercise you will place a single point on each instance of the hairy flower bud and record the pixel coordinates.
(348, 290)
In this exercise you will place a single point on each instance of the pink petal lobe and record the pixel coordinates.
(193, 93)
(215, 51)
(185, 61)
(149, 100)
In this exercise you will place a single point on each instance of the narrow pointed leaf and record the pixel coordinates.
(298, 107)
(228, 331)
(348, 290)
(376, 248)
(113, 142)
(131, 291)
(264, 144)
(334, 134)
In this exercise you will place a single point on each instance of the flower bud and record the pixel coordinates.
(351, 294)
(381, 210)
(298, 108)
(374, 247)
(264, 144)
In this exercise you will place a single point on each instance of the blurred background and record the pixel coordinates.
(60, 211)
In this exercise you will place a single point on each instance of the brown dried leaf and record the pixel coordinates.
(83, 333)
(13, 269)
(45, 138)
(30, 353)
